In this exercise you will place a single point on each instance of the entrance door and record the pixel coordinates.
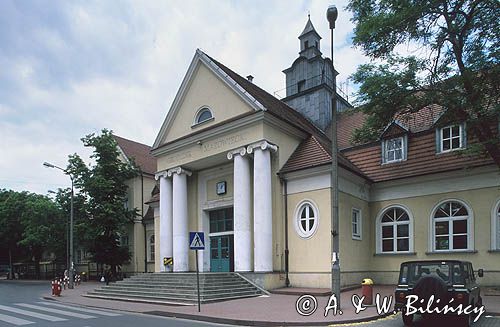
(221, 253)
(221, 240)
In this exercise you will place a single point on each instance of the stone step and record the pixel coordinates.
(173, 283)
(178, 288)
(168, 301)
(176, 291)
(175, 297)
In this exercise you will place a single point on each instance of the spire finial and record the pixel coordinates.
(309, 14)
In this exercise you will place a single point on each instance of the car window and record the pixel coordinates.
(441, 270)
(458, 275)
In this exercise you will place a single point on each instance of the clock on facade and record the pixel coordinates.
(221, 188)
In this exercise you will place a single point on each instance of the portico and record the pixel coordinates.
(253, 236)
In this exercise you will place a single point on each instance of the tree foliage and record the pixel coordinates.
(455, 63)
(103, 185)
(32, 224)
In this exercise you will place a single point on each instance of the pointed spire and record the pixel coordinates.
(309, 27)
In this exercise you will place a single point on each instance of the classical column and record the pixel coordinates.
(166, 237)
(180, 219)
(241, 211)
(262, 206)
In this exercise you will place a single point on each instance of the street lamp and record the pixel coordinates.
(331, 16)
(71, 265)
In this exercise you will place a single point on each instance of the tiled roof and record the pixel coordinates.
(422, 159)
(313, 153)
(139, 152)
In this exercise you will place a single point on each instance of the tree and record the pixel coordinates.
(104, 187)
(32, 224)
(455, 66)
(43, 225)
(11, 207)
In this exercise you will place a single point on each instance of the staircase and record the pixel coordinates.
(178, 288)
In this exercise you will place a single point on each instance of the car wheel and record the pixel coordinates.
(407, 319)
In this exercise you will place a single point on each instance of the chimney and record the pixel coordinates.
(250, 78)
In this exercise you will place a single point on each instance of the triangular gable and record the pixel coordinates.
(201, 58)
(394, 129)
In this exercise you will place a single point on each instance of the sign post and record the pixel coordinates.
(197, 242)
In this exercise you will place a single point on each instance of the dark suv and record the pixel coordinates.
(453, 282)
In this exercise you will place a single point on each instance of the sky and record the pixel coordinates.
(70, 68)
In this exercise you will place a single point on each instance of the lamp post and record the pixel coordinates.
(331, 16)
(71, 265)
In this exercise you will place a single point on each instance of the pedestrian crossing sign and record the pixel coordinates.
(197, 240)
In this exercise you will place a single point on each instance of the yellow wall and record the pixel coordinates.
(206, 89)
(481, 201)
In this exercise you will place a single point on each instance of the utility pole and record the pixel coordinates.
(331, 16)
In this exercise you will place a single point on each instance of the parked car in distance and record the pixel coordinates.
(453, 282)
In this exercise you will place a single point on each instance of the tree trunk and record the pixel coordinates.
(11, 269)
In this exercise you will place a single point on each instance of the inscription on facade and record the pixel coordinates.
(180, 156)
(222, 142)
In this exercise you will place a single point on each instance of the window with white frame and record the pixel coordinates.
(306, 219)
(394, 150)
(451, 138)
(395, 231)
(151, 242)
(203, 115)
(356, 224)
(450, 224)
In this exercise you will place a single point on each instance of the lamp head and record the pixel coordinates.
(48, 165)
(331, 15)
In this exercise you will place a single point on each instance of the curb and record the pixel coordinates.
(242, 322)
(233, 321)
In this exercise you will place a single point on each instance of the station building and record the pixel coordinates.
(253, 173)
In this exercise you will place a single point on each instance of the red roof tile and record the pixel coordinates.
(139, 152)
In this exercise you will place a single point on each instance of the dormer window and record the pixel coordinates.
(450, 138)
(306, 44)
(203, 115)
(394, 150)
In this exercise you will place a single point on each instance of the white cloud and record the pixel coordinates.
(119, 64)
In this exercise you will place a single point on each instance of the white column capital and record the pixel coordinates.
(240, 151)
(263, 145)
(178, 171)
(160, 174)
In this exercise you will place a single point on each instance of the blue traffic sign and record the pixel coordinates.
(197, 240)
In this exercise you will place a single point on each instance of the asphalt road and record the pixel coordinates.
(21, 304)
(397, 321)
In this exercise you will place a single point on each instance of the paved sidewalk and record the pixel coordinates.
(276, 309)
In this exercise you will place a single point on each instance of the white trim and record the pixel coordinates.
(378, 229)
(298, 210)
(460, 137)
(231, 232)
(470, 227)
(359, 224)
(385, 159)
(495, 226)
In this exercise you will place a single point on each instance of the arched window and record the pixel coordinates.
(306, 219)
(203, 115)
(152, 248)
(394, 230)
(451, 226)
